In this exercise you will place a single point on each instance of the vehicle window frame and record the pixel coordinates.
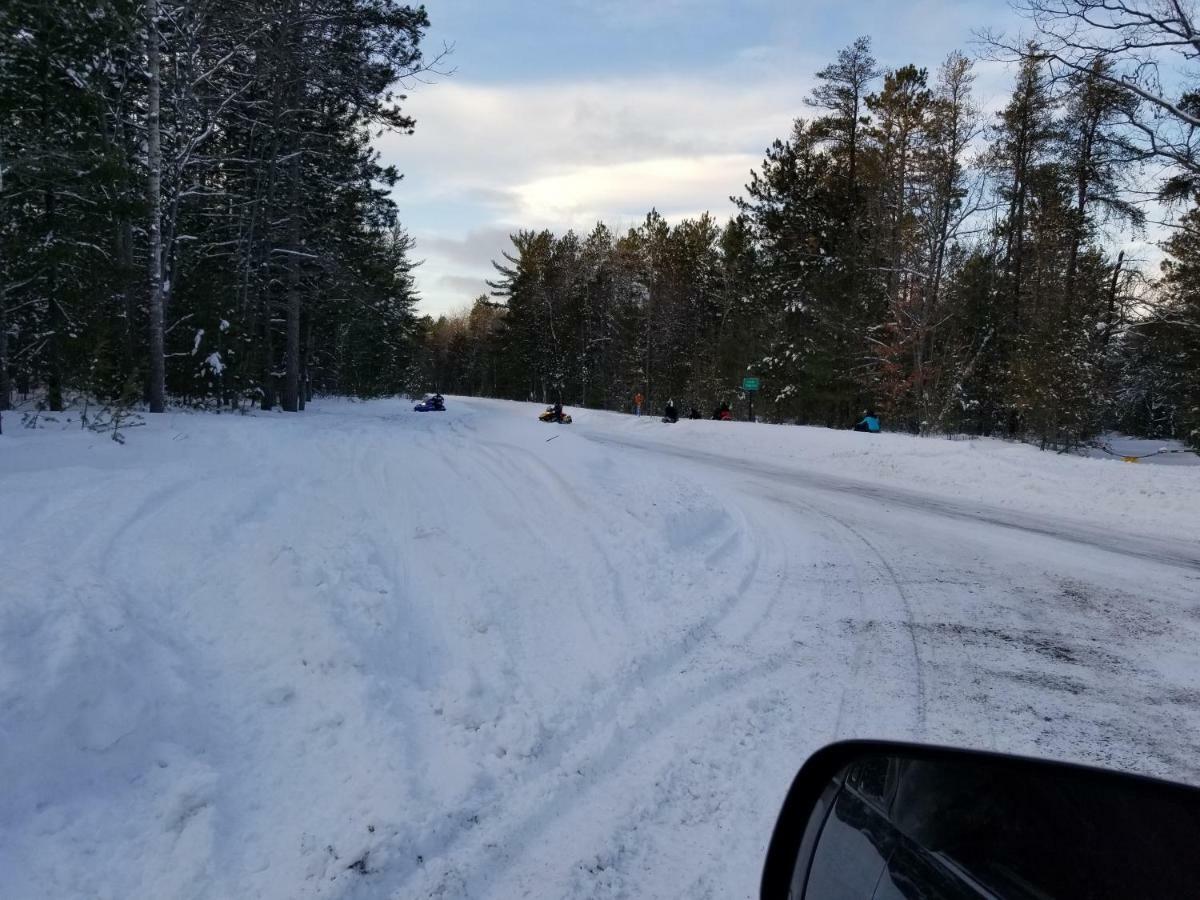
(883, 803)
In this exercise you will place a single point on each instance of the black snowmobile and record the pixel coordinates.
(431, 404)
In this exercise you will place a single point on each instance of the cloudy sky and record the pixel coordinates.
(563, 112)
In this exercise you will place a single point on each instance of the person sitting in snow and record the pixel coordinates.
(695, 414)
(869, 423)
(671, 414)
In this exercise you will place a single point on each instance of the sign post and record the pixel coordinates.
(751, 385)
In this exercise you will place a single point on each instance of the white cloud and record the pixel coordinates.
(489, 137)
(486, 160)
(643, 13)
(467, 249)
(673, 183)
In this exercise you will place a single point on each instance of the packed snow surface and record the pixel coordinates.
(369, 652)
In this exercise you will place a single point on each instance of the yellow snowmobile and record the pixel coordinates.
(550, 416)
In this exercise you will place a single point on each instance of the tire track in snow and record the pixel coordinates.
(541, 467)
(621, 700)
(643, 674)
(1161, 549)
(855, 687)
(597, 769)
(765, 483)
(886, 574)
(504, 469)
(476, 464)
(910, 622)
(636, 682)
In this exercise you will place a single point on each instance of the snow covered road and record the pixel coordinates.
(368, 652)
(1107, 534)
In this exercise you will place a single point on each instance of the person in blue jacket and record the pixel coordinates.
(869, 423)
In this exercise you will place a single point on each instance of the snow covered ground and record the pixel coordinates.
(369, 652)
(1145, 450)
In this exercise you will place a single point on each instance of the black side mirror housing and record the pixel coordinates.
(889, 820)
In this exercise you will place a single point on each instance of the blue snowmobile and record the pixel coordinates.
(431, 404)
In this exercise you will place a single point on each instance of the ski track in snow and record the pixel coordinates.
(368, 652)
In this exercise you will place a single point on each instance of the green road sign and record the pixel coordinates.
(750, 384)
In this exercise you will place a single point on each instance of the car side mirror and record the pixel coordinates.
(884, 821)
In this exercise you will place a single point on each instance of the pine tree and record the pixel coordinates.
(900, 138)
(947, 199)
(1168, 344)
(793, 211)
(178, 177)
(1022, 163)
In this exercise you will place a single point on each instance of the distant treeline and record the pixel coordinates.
(899, 250)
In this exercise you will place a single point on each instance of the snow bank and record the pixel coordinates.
(1101, 492)
(1147, 451)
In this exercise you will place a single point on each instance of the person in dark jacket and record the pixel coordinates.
(695, 414)
(558, 411)
(671, 414)
(869, 423)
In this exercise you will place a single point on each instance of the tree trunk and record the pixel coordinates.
(305, 376)
(1110, 314)
(302, 397)
(291, 384)
(290, 401)
(123, 247)
(157, 389)
(1079, 225)
(5, 383)
(268, 349)
(54, 311)
(54, 374)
